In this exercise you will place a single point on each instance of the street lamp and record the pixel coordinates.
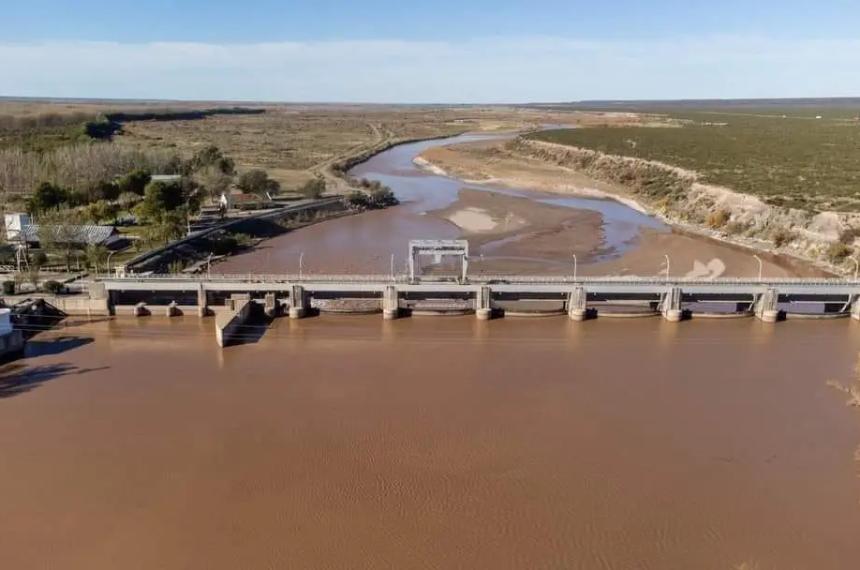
(856, 266)
(666, 255)
(760, 266)
(209, 267)
(108, 262)
(301, 263)
(574, 267)
(392, 267)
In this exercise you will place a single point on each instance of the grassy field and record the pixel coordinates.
(295, 142)
(782, 153)
(40, 125)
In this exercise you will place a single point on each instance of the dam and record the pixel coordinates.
(233, 298)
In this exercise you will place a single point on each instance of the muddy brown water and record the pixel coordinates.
(349, 442)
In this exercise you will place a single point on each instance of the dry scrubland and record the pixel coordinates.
(43, 141)
(772, 177)
(295, 143)
(798, 162)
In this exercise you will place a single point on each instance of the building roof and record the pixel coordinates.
(86, 234)
(165, 177)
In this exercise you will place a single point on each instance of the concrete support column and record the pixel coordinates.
(298, 302)
(173, 310)
(484, 303)
(97, 291)
(202, 300)
(855, 307)
(767, 308)
(672, 310)
(577, 304)
(270, 305)
(390, 303)
(229, 323)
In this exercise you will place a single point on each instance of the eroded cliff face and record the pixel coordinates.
(678, 195)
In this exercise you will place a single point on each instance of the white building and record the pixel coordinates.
(15, 223)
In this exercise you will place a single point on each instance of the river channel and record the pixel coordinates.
(608, 237)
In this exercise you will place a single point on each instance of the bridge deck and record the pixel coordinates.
(498, 283)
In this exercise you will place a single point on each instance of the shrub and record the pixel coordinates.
(8, 287)
(38, 259)
(257, 181)
(357, 200)
(313, 188)
(736, 228)
(782, 236)
(837, 252)
(848, 235)
(243, 240)
(53, 287)
(134, 182)
(382, 197)
(175, 266)
(718, 219)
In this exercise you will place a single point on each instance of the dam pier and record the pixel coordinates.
(234, 299)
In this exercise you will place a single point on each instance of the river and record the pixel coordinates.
(349, 442)
(608, 237)
(353, 442)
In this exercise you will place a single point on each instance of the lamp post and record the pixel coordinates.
(392, 267)
(209, 267)
(856, 266)
(574, 267)
(760, 266)
(666, 255)
(108, 262)
(301, 263)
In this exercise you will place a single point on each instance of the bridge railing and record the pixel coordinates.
(259, 278)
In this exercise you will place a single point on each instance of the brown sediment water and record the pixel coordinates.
(351, 442)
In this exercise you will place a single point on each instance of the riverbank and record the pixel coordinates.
(689, 206)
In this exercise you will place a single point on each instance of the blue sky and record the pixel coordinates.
(442, 51)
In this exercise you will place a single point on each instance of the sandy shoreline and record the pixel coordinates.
(513, 234)
(470, 169)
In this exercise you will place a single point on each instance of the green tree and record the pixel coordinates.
(257, 181)
(102, 210)
(135, 182)
(106, 191)
(158, 199)
(48, 197)
(96, 256)
(169, 226)
(211, 156)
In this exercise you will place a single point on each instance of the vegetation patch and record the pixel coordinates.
(798, 162)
